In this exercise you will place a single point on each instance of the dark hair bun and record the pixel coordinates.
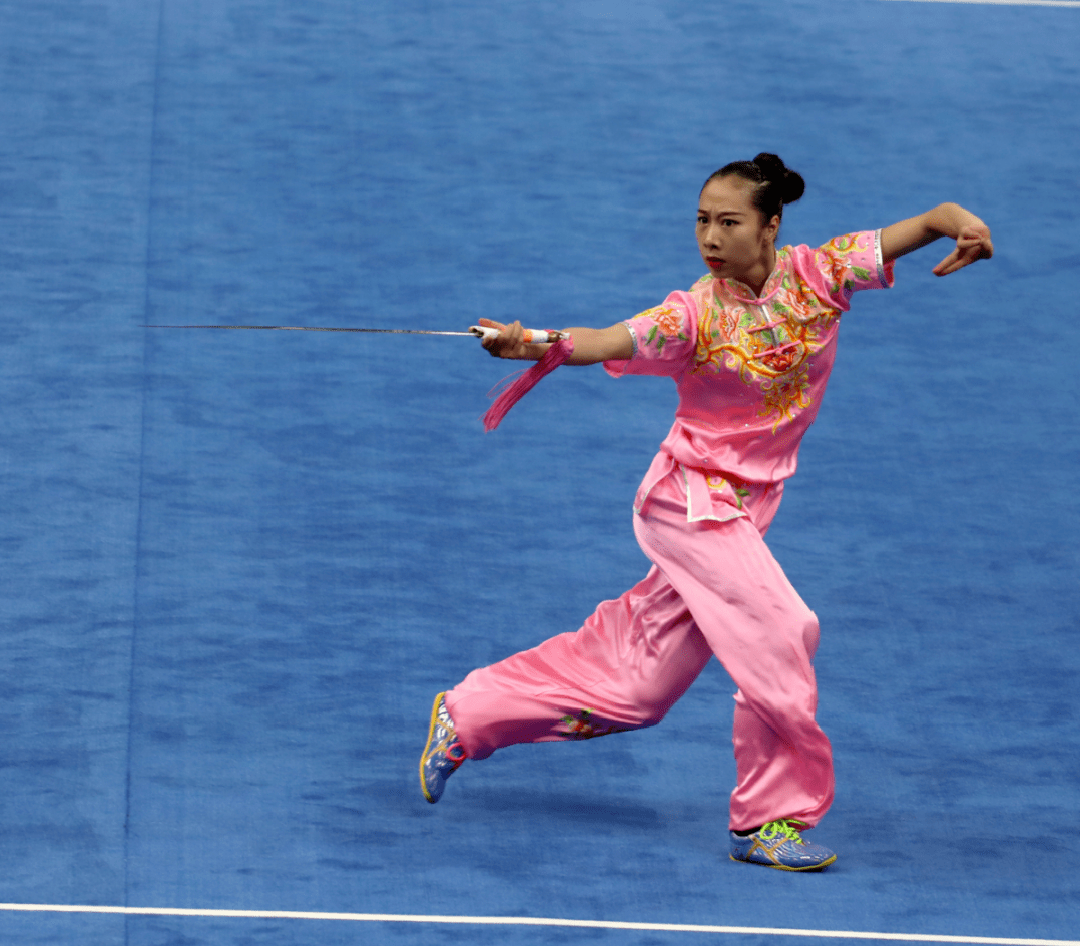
(773, 170)
(773, 184)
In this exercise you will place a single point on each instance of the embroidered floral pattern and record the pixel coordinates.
(833, 261)
(768, 345)
(718, 483)
(582, 726)
(669, 324)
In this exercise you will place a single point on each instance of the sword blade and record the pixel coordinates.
(313, 328)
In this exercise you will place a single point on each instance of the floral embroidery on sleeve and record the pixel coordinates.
(663, 339)
(849, 263)
(668, 324)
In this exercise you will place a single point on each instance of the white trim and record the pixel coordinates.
(879, 259)
(1009, 3)
(527, 921)
(690, 517)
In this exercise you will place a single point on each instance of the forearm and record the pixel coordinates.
(945, 220)
(591, 345)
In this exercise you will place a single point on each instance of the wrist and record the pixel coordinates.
(530, 352)
(950, 218)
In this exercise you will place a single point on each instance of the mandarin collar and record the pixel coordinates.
(743, 294)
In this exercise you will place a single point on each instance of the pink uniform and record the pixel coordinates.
(751, 372)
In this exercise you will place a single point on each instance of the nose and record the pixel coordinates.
(711, 235)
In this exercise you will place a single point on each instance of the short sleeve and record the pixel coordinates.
(845, 265)
(664, 339)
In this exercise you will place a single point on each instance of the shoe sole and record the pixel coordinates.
(427, 748)
(813, 867)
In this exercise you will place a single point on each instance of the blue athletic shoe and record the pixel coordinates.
(442, 754)
(778, 844)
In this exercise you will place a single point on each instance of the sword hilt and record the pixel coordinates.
(533, 336)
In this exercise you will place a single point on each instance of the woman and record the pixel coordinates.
(750, 347)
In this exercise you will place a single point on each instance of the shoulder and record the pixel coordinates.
(674, 318)
(844, 265)
(666, 332)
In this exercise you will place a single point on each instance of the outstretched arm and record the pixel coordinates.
(946, 220)
(590, 344)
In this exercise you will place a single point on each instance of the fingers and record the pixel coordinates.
(510, 342)
(950, 264)
(976, 238)
(958, 259)
(488, 339)
(972, 244)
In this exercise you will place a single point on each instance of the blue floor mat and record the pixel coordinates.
(238, 565)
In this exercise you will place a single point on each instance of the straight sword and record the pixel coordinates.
(532, 335)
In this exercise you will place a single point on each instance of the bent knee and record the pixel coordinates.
(647, 705)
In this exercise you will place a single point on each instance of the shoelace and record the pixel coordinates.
(453, 755)
(784, 827)
(449, 745)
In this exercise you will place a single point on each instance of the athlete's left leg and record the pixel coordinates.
(623, 670)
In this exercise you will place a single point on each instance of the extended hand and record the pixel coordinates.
(510, 342)
(972, 244)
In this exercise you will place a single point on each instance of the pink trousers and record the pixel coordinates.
(714, 588)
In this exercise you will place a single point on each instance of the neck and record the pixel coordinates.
(758, 275)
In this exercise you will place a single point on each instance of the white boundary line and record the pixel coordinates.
(527, 921)
(1010, 3)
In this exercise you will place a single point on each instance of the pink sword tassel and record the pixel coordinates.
(561, 349)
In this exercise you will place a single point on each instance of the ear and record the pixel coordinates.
(773, 227)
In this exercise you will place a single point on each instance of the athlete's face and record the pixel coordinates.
(734, 241)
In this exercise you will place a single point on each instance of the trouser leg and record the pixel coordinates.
(629, 663)
(765, 636)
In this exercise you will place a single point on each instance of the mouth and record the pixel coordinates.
(713, 262)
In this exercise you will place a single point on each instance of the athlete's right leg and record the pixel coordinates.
(623, 670)
(765, 636)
